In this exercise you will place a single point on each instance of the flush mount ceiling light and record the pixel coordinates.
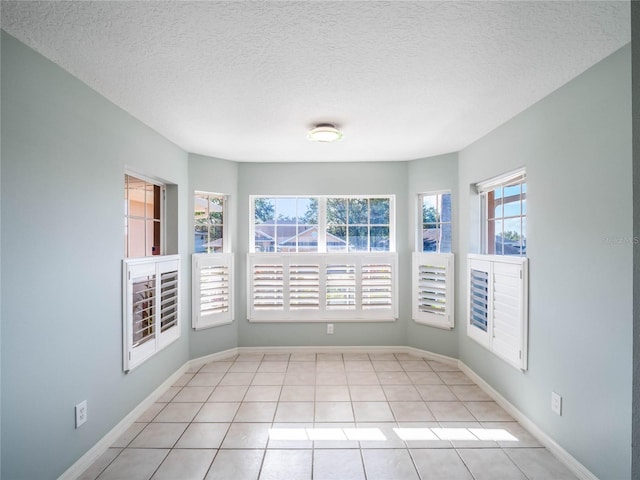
(325, 132)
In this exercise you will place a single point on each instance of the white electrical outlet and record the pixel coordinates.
(556, 403)
(330, 328)
(81, 413)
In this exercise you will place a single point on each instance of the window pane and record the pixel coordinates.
(512, 190)
(445, 207)
(380, 239)
(358, 239)
(151, 248)
(430, 237)
(286, 238)
(136, 232)
(265, 209)
(336, 211)
(445, 239)
(286, 210)
(308, 211)
(379, 211)
(265, 238)
(200, 239)
(307, 238)
(491, 237)
(214, 244)
(512, 236)
(358, 211)
(336, 239)
(498, 237)
(216, 210)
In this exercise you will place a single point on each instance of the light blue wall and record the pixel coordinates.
(64, 152)
(216, 176)
(576, 146)
(432, 175)
(323, 179)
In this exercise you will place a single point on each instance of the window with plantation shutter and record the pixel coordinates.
(322, 287)
(497, 309)
(212, 281)
(151, 306)
(433, 288)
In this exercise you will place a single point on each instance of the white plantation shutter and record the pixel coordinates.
(212, 287)
(151, 307)
(510, 324)
(433, 287)
(322, 287)
(498, 291)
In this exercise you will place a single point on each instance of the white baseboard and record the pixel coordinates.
(99, 448)
(105, 442)
(560, 453)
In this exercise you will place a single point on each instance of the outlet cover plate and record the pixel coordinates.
(556, 403)
(330, 328)
(81, 413)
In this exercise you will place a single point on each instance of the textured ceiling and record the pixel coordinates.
(245, 80)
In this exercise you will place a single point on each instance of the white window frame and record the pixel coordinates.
(483, 188)
(135, 354)
(322, 220)
(433, 289)
(419, 233)
(305, 297)
(226, 243)
(503, 303)
(163, 200)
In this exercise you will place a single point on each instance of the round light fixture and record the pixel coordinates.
(325, 132)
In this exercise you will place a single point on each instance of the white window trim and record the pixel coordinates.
(221, 265)
(282, 312)
(226, 234)
(418, 236)
(482, 188)
(322, 219)
(433, 289)
(133, 356)
(507, 318)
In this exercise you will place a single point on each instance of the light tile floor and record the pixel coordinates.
(326, 416)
